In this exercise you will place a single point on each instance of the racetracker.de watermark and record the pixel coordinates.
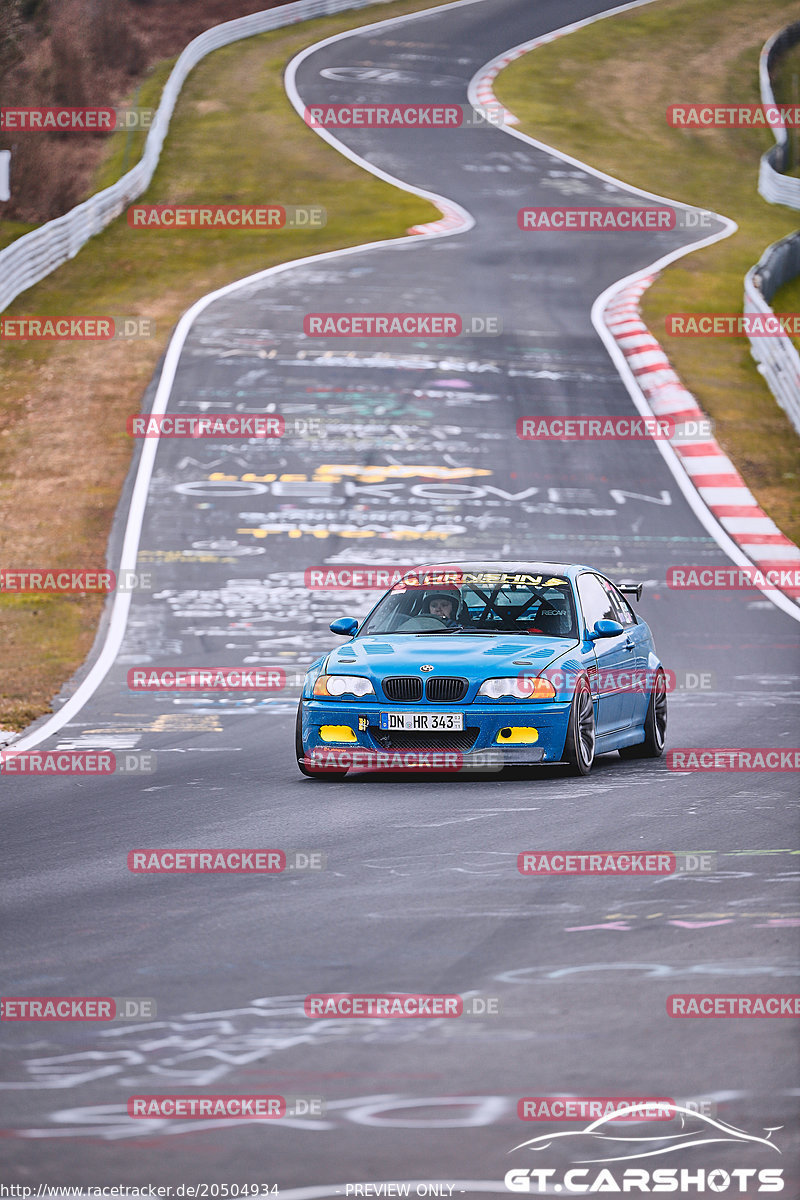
(77, 1008)
(621, 427)
(362, 758)
(403, 116)
(737, 758)
(590, 1108)
(333, 324)
(607, 680)
(75, 328)
(226, 216)
(206, 679)
(236, 1108)
(207, 1107)
(733, 116)
(30, 580)
(220, 861)
(332, 578)
(733, 1005)
(209, 425)
(628, 219)
(732, 324)
(398, 1005)
(76, 762)
(716, 579)
(54, 119)
(615, 862)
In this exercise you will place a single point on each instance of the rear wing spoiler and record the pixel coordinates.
(631, 589)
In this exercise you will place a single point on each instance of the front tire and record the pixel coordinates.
(581, 735)
(655, 724)
(300, 753)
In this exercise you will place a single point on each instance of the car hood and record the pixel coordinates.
(476, 656)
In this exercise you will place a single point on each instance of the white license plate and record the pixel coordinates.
(428, 722)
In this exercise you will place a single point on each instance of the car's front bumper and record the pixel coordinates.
(360, 720)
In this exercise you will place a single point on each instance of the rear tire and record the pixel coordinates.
(581, 735)
(309, 772)
(655, 724)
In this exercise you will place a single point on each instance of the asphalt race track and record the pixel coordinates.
(420, 892)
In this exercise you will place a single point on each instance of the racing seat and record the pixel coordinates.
(551, 622)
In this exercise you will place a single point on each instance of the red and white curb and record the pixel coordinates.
(718, 483)
(712, 475)
(451, 220)
(484, 92)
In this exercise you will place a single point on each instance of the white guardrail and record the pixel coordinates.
(33, 256)
(772, 185)
(777, 359)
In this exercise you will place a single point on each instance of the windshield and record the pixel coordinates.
(488, 602)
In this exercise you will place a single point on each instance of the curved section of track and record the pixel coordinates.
(421, 893)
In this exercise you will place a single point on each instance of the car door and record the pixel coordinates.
(615, 656)
(636, 700)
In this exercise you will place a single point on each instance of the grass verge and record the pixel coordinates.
(600, 94)
(63, 450)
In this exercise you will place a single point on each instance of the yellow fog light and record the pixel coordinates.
(521, 734)
(337, 733)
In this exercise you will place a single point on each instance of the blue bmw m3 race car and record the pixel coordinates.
(534, 662)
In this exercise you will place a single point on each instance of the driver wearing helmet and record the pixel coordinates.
(444, 606)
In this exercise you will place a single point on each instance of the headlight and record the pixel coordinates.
(343, 685)
(518, 687)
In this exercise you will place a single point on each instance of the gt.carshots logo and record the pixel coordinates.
(677, 1180)
(589, 1147)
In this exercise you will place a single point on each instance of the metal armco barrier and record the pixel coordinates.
(33, 256)
(777, 358)
(772, 185)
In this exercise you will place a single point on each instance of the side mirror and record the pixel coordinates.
(602, 629)
(347, 626)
